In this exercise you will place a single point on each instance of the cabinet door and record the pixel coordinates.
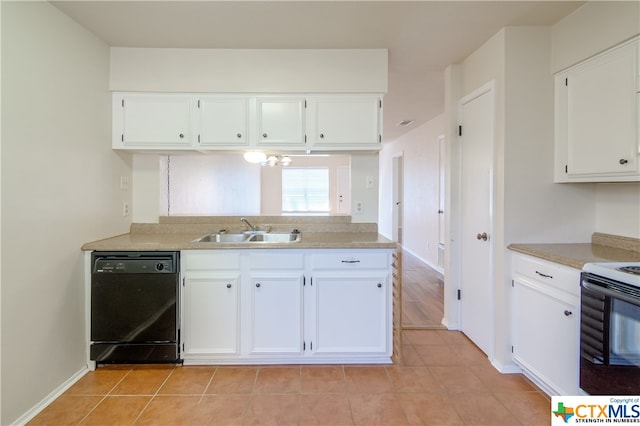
(602, 115)
(211, 320)
(280, 121)
(351, 313)
(347, 122)
(152, 120)
(546, 337)
(276, 314)
(223, 121)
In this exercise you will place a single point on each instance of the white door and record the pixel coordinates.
(156, 120)
(350, 313)
(347, 121)
(397, 197)
(223, 121)
(344, 190)
(281, 121)
(476, 269)
(441, 188)
(276, 314)
(211, 315)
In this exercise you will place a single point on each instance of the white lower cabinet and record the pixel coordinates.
(276, 314)
(351, 313)
(211, 324)
(546, 324)
(286, 306)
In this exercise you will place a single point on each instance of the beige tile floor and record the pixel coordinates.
(443, 380)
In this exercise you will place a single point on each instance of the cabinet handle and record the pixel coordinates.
(321, 135)
(568, 313)
(239, 135)
(623, 161)
(264, 135)
(350, 261)
(482, 236)
(181, 135)
(379, 285)
(228, 285)
(544, 275)
(257, 284)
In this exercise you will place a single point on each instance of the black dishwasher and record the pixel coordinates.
(134, 307)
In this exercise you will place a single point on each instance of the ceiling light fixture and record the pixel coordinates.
(258, 157)
(255, 157)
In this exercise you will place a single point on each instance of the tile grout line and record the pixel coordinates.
(104, 396)
(153, 396)
(206, 388)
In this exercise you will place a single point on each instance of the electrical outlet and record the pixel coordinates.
(359, 207)
(125, 209)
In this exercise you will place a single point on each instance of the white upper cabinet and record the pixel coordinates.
(152, 121)
(270, 122)
(223, 121)
(597, 118)
(341, 122)
(280, 122)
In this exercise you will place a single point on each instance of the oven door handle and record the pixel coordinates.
(610, 293)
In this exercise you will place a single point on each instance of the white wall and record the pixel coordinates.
(209, 185)
(249, 70)
(420, 152)
(60, 189)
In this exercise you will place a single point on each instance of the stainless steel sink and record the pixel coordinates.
(276, 238)
(223, 238)
(247, 237)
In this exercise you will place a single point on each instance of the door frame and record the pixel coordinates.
(397, 195)
(456, 214)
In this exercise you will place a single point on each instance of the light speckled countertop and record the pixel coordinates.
(179, 233)
(603, 248)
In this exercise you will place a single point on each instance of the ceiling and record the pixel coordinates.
(423, 37)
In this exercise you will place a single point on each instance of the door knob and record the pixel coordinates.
(483, 236)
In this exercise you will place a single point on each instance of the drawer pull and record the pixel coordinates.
(544, 275)
(258, 285)
(379, 285)
(350, 261)
(228, 285)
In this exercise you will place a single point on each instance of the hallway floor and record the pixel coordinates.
(422, 294)
(444, 380)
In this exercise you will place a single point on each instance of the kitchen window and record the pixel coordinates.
(305, 190)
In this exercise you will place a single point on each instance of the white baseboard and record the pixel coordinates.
(36, 409)
(435, 267)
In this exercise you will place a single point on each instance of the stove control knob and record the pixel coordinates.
(159, 266)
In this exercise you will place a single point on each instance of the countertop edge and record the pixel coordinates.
(562, 260)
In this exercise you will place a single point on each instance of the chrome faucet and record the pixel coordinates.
(246, 222)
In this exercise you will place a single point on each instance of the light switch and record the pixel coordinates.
(124, 182)
(369, 182)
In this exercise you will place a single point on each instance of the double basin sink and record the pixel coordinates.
(251, 238)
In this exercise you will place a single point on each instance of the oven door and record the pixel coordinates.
(609, 337)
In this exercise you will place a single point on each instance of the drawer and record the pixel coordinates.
(559, 276)
(199, 260)
(351, 260)
(276, 260)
